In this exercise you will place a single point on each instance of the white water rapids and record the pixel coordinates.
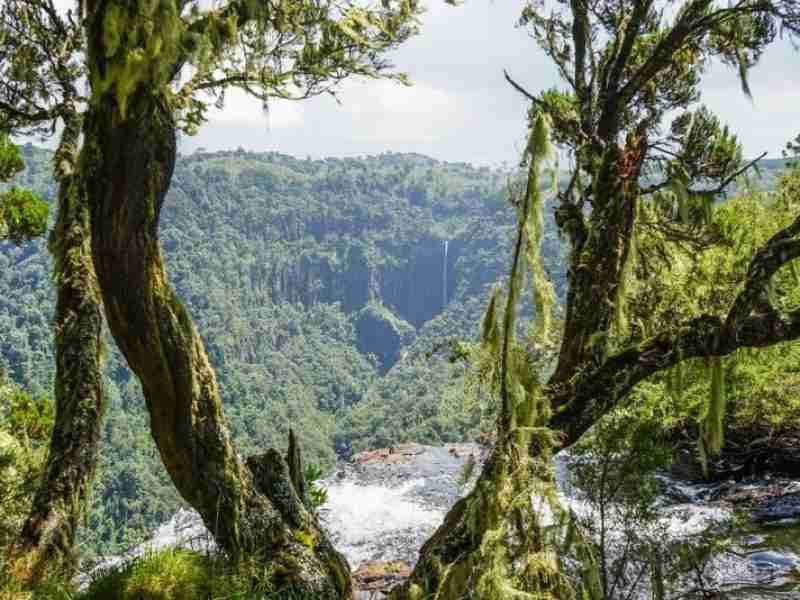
(385, 509)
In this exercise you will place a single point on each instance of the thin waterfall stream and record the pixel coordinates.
(444, 275)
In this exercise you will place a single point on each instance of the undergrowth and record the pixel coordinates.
(171, 574)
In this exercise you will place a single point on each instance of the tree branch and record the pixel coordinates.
(581, 403)
(717, 190)
(522, 90)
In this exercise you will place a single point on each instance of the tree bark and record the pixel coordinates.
(47, 538)
(250, 507)
(494, 535)
(596, 266)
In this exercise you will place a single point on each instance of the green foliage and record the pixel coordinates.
(23, 215)
(50, 588)
(173, 575)
(317, 494)
(276, 257)
(25, 426)
(792, 150)
(11, 161)
(753, 390)
(284, 50)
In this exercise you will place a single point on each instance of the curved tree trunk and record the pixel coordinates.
(47, 539)
(251, 507)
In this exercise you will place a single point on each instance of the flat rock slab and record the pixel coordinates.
(778, 508)
(380, 575)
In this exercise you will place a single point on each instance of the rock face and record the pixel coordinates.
(778, 508)
(382, 333)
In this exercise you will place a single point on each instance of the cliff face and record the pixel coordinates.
(413, 282)
(401, 232)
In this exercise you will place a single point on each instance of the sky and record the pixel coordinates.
(460, 108)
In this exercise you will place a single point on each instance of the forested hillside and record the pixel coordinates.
(321, 289)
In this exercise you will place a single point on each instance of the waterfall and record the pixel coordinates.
(444, 276)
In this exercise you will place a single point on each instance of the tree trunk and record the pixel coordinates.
(596, 269)
(250, 507)
(47, 539)
(492, 545)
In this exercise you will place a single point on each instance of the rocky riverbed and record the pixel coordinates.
(383, 504)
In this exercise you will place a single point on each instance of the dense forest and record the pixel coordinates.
(214, 329)
(323, 292)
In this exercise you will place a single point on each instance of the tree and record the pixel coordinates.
(23, 215)
(40, 74)
(627, 67)
(154, 67)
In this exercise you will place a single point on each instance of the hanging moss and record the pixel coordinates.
(544, 296)
(496, 545)
(141, 45)
(712, 430)
(490, 331)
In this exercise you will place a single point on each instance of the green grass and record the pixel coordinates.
(170, 575)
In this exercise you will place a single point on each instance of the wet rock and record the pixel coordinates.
(380, 575)
(401, 453)
(773, 560)
(369, 456)
(410, 449)
(753, 540)
(778, 508)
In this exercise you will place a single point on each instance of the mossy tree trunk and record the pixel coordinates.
(597, 262)
(447, 556)
(132, 54)
(48, 536)
(250, 506)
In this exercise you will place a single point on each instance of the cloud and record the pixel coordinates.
(773, 116)
(461, 108)
(384, 111)
(241, 109)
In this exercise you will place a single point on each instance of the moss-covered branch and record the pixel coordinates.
(594, 393)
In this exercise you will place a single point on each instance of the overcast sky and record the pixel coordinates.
(461, 109)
